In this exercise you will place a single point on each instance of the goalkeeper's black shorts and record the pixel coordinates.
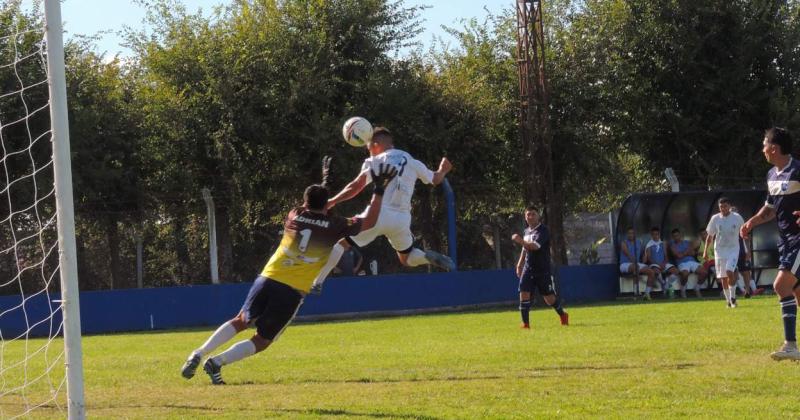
(271, 306)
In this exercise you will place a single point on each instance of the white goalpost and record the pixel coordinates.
(38, 375)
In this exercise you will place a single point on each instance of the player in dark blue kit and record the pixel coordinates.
(783, 204)
(533, 268)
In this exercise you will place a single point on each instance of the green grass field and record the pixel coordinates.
(693, 358)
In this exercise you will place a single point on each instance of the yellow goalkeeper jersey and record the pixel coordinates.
(307, 241)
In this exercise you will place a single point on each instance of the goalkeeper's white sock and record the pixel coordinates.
(236, 352)
(221, 336)
(333, 259)
(416, 257)
(727, 292)
(732, 291)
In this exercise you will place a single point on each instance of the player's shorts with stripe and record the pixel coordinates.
(789, 258)
(271, 305)
(395, 225)
(543, 282)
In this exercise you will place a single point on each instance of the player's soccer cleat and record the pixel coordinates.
(190, 367)
(439, 260)
(564, 319)
(214, 371)
(747, 295)
(525, 326)
(787, 352)
(733, 302)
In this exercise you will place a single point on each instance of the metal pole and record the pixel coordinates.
(139, 260)
(212, 235)
(450, 198)
(68, 267)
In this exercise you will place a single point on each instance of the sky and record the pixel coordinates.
(89, 17)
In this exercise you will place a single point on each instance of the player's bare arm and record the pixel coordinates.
(444, 167)
(709, 240)
(764, 215)
(530, 246)
(349, 191)
(520, 263)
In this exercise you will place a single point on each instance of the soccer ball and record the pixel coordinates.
(357, 131)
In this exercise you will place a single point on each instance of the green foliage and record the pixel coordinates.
(247, 99)
(589, 256)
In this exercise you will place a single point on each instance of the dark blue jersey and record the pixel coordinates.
(538, 262)
(783, 188)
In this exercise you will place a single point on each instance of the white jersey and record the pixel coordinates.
(398, 193)
(726, 233)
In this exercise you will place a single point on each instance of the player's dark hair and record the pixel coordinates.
(532, 208)
(655, 229)
(316, 197)
(676, 230)
(780, 137)
(630, 228)
(724, 200)
(379, 133)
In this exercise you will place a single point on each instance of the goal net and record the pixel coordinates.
(33, 355)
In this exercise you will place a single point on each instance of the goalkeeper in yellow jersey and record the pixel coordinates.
(276, 295)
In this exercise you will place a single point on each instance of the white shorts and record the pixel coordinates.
(724, 265)
(690, 266)
(624, 267)
(394, 225)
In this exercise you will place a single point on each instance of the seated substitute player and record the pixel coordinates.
(723, 229)
(533, 268)
(708, 257)
(276, 295)
(630, 260)
(783, 204)
(683, 252)
(395, 220)
(655, 255)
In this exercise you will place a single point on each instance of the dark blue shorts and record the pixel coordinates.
(789, 259)
(271, 306)
(541, 282)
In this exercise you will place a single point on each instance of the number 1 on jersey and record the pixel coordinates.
(305, 237)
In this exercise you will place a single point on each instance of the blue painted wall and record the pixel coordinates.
(207, 305)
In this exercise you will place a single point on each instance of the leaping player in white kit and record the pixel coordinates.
(395, 219)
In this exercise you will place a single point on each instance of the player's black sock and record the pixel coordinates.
(524, 310)
(557, 307)
(789, 311)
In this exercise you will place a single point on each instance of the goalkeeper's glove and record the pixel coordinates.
(326, 170)
(380, 180)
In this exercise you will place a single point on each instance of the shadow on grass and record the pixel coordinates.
(538, 372)
(327, 412)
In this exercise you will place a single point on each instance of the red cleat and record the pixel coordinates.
(525, 326)
(564, 319)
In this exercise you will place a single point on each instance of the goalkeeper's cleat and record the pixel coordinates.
(190, 367)
(214, 371)
(439, 260)
(564, 318)
(525, 326)
(787, 352)
(733, 302)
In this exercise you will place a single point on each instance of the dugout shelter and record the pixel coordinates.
(690, 212)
